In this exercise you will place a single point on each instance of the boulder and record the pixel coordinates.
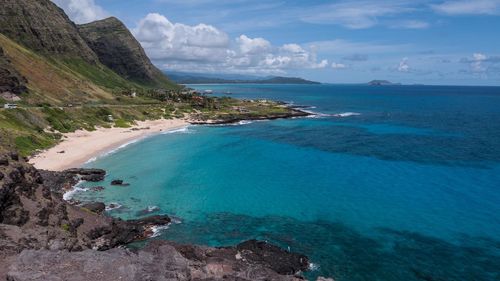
(92, 175)
(96, 207)
(147, 211)
(119, 182)
(273, 257)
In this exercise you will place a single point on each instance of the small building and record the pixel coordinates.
(10, 106)
(110, 118)
(133, 94)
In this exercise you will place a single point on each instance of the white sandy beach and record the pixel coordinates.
(80, 146)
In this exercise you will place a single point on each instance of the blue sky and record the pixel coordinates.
(419, 41)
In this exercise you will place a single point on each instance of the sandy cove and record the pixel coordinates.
(78, 147)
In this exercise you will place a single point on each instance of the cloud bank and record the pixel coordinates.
(203, 47)
(468, 7)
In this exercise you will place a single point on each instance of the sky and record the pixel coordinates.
(439, 42)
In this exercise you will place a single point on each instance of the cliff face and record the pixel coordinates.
(44, 28)
(117, 48)
(11, 81)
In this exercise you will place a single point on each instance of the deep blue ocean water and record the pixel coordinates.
(408, 188)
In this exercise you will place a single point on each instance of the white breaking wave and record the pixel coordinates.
(321, 115)
(346, 114)
(68, 195)
(158, 229)
(153, 209)
(113, 206)
(313, 266)
(180, 130)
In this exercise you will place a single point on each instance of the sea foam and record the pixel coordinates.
(346, 114)
(68, 195)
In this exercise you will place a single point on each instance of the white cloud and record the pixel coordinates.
(356, 14)
(338, 65)
(164, 40)
(477, 62)
(411, 24)
(82, 11)
(253, 46)
(468, 7)
(403, 65)
(184, 47)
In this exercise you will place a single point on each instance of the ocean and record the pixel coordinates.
(384, 183)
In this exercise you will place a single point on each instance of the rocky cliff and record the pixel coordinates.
(44, 28)
(11, 81)
(117, 48)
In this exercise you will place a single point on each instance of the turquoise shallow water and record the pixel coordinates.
(405, 189)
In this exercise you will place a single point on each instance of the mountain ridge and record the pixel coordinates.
(191, 78)
(25, 22)
(56, 57)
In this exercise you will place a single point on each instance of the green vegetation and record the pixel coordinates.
(65, 227)
(120, 123)
(226, 109)
(99, 74)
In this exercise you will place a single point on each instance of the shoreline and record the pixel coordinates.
(78, 147)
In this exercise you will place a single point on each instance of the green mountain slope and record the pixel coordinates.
(117, 48)
(44, 28)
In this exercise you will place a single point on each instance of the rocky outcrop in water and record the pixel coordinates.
(92, 175)
(293, 113)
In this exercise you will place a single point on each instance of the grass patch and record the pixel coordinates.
(66, 227)
(120, 123)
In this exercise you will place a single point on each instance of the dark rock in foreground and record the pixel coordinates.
(160, 260)
(95, 207)
(277, 259)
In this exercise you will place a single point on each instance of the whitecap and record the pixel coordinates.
(157, 229)
(346, 114)
(313, 266)
(175, 220)
(153, 209)
(68, 195)
(180, 130)
(113, 206)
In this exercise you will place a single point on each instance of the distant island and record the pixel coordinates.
(193, 78)
(382, 83)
